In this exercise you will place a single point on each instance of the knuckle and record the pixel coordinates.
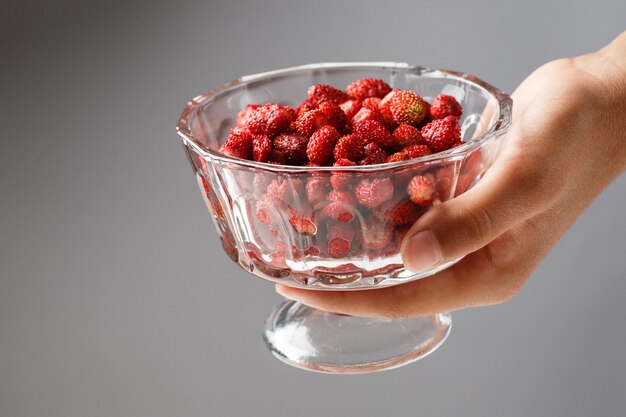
(480, 226)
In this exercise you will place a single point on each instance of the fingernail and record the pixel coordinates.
(421, 251)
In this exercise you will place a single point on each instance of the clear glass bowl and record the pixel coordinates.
(274, 220)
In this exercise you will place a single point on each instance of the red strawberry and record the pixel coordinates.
(263, 212)
(350, 108)
(384, 106)
(441, 133)
(421, 190)
(457, 144)
(341, 180)
(293, 147)
(305, 106)
(309, 122)
(244, 115)
(270, 119)
(261, 148)
(373, 155)
(366, 114)
(374, 131)
(406, 135)
(341, 206)
(407, 107)
(444, 106)
(303, 223)
(238, 144)
(415, 151)
(340, 236)
(375, 192)
(277, 191)
(398, 212)
(317, 190)
(336, 117)
(368, 87)
(321, 145)
(371, 103)
(349, 147)
(398, 156)
(320, 93)
(277, 157)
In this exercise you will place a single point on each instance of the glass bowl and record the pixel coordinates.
(286, 224)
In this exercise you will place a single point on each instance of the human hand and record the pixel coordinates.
(566, 144)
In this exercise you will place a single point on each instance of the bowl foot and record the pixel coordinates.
(314, 340)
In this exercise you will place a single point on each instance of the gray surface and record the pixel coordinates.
(115, 296)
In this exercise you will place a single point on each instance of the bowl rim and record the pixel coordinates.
(497, 127)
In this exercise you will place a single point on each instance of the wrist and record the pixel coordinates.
(607, 71)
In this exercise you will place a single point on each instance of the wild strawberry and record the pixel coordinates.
(341, 206)
(366, 114)
(415, 151)
(261, 148)
(398, 156)
(302, 223)
(238, 144)
(277, 191)
(293, 147)
(408, 108)
(444, 106)
(270, 119)
(373, 155)
(374, 131)
(373, 193)
(384, 106)
(398, 212)
(341, 180)
(340, 236)
(305, 106)
(406, 135)
(441, 133)
(321, 145)
(421, 190)
(374, 234)
(317, 191)
(277, 157)
(320, 93)
(351, 107)
(309, 122)
(371, 103)
(349, 147)
(312, 250)
(368, 87)
(264, 212)
(244, 115)
(336, 117)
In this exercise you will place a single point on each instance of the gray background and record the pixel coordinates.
(115, 296)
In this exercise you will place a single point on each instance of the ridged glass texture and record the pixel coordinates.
(263, 238)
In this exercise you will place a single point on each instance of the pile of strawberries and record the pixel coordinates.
(367, 124)
(346, 213)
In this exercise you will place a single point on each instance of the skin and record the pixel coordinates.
(566, 144)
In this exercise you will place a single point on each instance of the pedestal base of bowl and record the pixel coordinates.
(314, 340)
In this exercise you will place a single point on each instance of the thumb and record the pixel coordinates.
(514, 189)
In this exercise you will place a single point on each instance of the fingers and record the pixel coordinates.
(513, 190)
(475, 280)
